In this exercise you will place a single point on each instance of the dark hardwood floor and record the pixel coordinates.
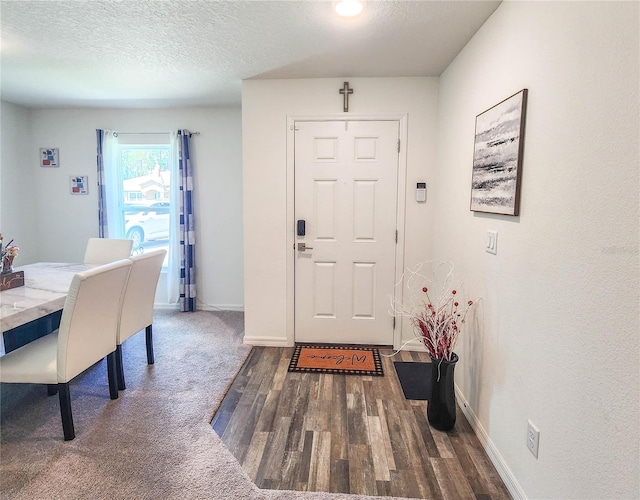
(347, 433)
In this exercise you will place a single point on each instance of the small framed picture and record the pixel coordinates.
(79, 184)
(49, 157)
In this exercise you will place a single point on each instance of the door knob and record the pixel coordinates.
(303, 246)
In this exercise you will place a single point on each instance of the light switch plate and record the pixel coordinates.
(492, 242)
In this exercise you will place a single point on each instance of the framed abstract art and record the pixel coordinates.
(497, 157)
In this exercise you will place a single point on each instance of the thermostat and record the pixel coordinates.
(421, 192)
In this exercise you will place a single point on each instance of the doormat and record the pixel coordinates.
(311, 358)
(415, 379)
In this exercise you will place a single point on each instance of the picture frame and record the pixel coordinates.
(497, 156)
(79, 184)
(49, 157)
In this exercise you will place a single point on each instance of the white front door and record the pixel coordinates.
(346, 184)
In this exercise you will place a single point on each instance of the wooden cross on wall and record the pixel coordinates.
(345, 91)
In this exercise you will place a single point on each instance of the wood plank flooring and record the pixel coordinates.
(348, 434)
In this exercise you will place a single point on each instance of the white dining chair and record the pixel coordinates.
(104, 250)
(87, 333)
(137, 306)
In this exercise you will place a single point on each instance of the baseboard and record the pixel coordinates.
(412, 345)
(220, 307)
(266, 341)
(167, 307)
(492, 452)
(202, 307)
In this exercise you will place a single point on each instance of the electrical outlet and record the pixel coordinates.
(533, 438)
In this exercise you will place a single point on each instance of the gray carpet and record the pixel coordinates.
(155, 441)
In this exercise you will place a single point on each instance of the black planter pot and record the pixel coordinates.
(441, 409)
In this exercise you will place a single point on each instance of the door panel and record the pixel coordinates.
(325, 209)
(364, 288)
(346, 176)
(364, 210)
(324, 288)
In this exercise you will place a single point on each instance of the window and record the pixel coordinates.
(141, 194)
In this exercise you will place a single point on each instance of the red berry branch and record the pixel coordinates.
(437, 323)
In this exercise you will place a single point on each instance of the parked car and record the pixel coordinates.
(146, 222)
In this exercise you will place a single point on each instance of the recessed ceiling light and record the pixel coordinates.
(349, 8)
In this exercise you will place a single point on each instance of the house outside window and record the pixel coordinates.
(144, 195)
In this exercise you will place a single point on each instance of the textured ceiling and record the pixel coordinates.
(166, 53)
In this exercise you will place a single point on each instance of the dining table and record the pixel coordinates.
(34, 309)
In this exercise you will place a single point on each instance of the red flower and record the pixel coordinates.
(437, 323)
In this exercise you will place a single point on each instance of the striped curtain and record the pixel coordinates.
(187, 228)
(107, 145)
(102, 198)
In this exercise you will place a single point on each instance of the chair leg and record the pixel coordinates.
(65, 411)
(111, 374)
(120, 369)
(52, 389)
(149, 338)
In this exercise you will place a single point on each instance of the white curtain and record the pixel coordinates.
(173, 271)
(112, 178)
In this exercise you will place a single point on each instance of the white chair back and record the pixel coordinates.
(104, 250)
(139, 297)
(87, 333)
(89, 324)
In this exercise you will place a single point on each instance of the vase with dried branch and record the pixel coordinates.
(437, 312)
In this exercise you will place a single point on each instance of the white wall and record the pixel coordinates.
(556, 340)
(265, 107)
(18, 216)
(62, 222)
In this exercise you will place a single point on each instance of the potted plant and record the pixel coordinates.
(437, 313)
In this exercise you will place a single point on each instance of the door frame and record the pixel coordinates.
(401, 118)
